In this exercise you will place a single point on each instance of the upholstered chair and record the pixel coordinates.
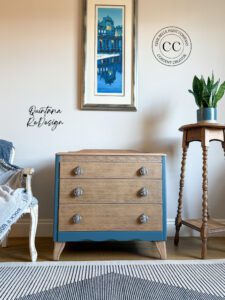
(32, 210)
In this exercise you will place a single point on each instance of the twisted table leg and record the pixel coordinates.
(204, 229)
(178, 221)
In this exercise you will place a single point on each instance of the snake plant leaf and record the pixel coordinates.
(211, 101)
(195, 84)
(209, 83)
(203, 81)
(205, 90)
(215, 86)
(205, 96)
(197, 90)
(214, 89)
(212, 78)
(196, 99)
(219, 94)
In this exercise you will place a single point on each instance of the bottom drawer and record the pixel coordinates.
(107, 217)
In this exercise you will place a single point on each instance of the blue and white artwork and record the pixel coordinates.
(110, 50)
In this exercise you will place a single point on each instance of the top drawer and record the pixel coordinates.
(79, 169)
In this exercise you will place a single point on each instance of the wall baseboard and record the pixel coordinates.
(45, 229)
(22, 227)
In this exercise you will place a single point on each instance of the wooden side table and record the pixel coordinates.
(204, 133)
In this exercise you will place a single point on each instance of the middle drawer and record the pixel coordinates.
(110, 191)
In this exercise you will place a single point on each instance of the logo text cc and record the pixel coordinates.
(175, 46)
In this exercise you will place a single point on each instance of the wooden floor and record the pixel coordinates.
(189, 248)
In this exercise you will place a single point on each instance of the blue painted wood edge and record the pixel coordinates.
(164, 198)
(56, 198)
(66, 236)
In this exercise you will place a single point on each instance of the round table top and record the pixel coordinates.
(201, 125)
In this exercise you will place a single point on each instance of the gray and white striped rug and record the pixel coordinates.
(113, 280)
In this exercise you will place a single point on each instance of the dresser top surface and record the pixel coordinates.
(109, 152)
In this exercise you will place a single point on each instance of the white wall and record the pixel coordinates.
(40, 61)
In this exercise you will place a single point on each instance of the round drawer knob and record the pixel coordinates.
(143, 219)
(143, 192)
(77, 219)
(78, 192)
(143, 171)
(77, 171)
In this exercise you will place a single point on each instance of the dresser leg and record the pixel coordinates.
(204, 229)
(161, 247)
(58, 249)
(178, 220)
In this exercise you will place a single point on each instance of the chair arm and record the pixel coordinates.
(27, 173)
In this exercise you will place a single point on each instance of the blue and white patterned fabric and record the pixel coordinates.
(5, 150)
(14, 201)
(5, 153)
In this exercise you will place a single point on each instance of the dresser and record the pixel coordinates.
(105, 195)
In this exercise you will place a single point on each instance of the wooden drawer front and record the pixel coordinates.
(110, 191)
(112, 158)
(109, 170)
(107, 217)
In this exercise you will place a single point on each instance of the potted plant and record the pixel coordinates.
(206, 97)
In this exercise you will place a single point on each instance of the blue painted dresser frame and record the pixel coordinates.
(64, 236)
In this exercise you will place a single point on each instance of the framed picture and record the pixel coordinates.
(109, 55)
